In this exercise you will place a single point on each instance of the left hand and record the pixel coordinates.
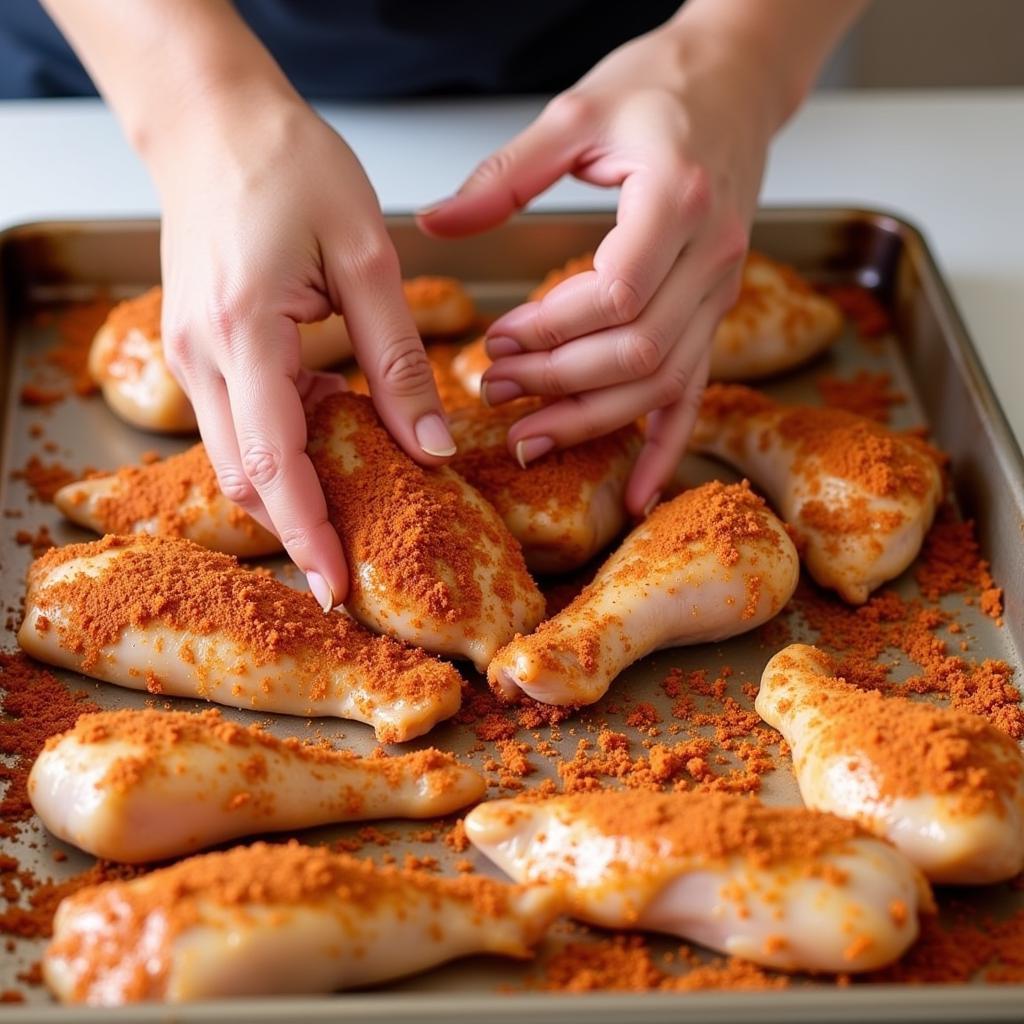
(681, 122)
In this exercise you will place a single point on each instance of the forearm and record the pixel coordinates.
(161, 64)
(787, 40)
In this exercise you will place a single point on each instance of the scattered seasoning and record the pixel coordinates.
(45, 479)
(865, 394)
(36, 705)
(859, 305)
(40, 542)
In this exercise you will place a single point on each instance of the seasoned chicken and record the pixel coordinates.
(174, 497)
(278, 920)
(562, 508)
(702, 567)
(945, 787)
(778, 323)
(431, 561)
(165, 615)
(785, 887)
(149, 785)
(859, 496)
(127, 357)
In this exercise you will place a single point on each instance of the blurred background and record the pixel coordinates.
(932, 43)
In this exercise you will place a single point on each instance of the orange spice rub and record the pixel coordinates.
(263, 644)
(320, 920)
(563, 508)
(147, 785)
(432, 562)
(174, 497)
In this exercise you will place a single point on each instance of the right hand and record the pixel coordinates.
(269, 221)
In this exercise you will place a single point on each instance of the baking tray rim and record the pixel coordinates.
(801, 1004)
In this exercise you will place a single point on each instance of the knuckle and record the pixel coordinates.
(261, 463)
(552, 375)
(696, 197)
(236, 487)
(404, 369)
(373, 256)
(179, 353)
(569, 111)
(296, 537)
(622, 299)
(733, 242)
(547, 333)
(640, 354)
(495, 167)
(670, 387)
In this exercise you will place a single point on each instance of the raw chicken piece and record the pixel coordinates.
(432, 563)
(278, 920)
(702, 567)
(784, 887)
(127, 357)
(174, 497)
(778, 323)
(165, 615)
(563, 508)
(859, 496)
(945, 787)
(149, 785)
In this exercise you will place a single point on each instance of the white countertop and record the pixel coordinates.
(951, 162)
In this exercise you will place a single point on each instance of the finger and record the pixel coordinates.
(508, 179)
(209, 397)
(613, 356)
(656, 220)
(314, 386)
(667, 432)
(389, 350)
(595, 413)
(270, 427)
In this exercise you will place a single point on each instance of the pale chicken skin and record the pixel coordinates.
(779, 322)
(705, 566)
(278, 920)
(135, 786)
(165, 615)
(944, 786)
(785, 887)
(432, 563)
(127, 359)
(175, 497)
(563, 508)
(859, 496)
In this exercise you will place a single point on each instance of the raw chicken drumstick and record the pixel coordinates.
(859, 496)
(778, 323)
(127, 358)
(174, 497)
(705, 566)
(563, 508)
(789, 888)
(165, 615)
(149, 785)
(431, 561)
(278, 920)
(945, 787)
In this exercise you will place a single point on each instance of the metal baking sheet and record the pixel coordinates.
(928, 354)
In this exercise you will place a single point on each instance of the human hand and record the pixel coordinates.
(681, 120)
(268, 222)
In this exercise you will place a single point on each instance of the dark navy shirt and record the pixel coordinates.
(361, 49)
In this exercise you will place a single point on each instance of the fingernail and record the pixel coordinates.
(433, 436)
(651, 502)
(494, 392)
(501, 346)
(531, 448)
(321, 590)
(426, 211)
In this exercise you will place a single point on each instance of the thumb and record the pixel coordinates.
(506, 181)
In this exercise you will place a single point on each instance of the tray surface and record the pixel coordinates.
(48, 265)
